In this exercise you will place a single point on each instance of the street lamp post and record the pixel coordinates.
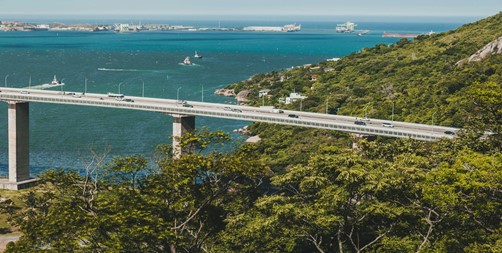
(366, 111)
(119, 86)
(29, 83)
(327, 99)
(433, 121)
(178, 94)
(7, 76)
(85, 85)
(301, 104)
(202, 99)
(143, 90)
(392, 111)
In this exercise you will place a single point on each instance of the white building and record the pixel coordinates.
(293, 97)
(262, 93)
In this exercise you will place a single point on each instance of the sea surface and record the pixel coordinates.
(63, 136)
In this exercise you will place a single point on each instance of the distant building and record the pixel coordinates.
(333, 59)
(281, 78)
(293, 97)
(262, 93)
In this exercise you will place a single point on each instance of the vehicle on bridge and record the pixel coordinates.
(293, 116)
(360, 122)
(115, 95)
(124, 99)
(387, 124)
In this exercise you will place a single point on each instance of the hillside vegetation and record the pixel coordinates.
(422, 79)
(420, 76)
(306, 190)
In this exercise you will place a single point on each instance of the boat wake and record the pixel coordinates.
(128, 70)
(191, 64)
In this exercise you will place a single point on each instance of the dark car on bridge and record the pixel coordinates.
(293, 116)
(360, 122)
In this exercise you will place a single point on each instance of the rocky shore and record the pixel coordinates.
(225, 92)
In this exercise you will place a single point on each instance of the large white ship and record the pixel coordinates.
(347, 27)
(286, 28)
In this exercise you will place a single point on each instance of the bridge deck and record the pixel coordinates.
(170, 106)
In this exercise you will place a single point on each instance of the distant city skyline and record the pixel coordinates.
(438, 8)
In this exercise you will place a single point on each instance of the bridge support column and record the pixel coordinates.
(181, 125)
(19, 147)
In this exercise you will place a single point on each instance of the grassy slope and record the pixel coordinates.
(16, 196)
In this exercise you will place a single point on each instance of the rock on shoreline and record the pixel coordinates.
(225, 92)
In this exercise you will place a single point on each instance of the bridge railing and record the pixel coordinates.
(279, 119)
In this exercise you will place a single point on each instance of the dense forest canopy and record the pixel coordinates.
(306, 190)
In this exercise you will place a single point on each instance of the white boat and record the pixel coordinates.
(198, 56)
(56, 82)
(187, 61)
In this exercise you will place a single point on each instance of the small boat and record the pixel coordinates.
(56, 82)
(198, 56)
(187, 61)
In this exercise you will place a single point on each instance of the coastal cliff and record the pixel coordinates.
(492, 48)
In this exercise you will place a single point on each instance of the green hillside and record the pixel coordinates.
(419, 76)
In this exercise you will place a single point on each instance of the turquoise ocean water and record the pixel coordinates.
(61, 136)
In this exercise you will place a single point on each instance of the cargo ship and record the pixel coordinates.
(286, 28)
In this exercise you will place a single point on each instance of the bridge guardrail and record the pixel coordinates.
(369, 130)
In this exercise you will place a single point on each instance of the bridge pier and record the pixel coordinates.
(181, 124)
(19, 147)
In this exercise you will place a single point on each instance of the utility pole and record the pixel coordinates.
(202, 99)
(119, 86)
(143, 90)
(392, 110)
(433, 121)
(327, 99)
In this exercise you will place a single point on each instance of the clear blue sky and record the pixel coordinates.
(479, 8)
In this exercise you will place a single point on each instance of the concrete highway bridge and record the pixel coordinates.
(184, 113)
